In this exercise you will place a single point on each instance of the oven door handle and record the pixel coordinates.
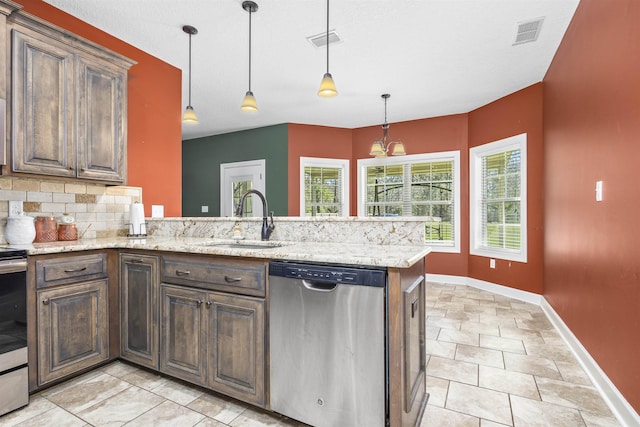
(13, 266)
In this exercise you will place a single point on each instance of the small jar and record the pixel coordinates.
(67, 232)
(46, 229)
(67, 219)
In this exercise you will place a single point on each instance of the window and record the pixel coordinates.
(425, 185)
(498, 198)
(324, 187)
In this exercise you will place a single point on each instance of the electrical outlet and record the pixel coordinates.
(15, 207)
(205, 209)
(492, 263)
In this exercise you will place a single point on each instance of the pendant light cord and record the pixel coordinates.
(327, 36)
(250, 11)
(189, 69)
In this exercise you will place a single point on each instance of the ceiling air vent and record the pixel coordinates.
(528, 31)
(320, 40)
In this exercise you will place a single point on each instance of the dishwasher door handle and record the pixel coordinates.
(319, 286)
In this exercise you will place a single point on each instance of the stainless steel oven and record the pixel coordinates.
(13, 330)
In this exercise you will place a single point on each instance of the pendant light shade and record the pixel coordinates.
(380, 148)
(249, 102)
(189, 115)
(327, 85)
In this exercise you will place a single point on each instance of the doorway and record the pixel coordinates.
(235, 179)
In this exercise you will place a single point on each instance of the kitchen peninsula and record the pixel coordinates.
(190, 273)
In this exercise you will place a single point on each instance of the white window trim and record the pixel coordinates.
(418, 158)
(475, 193)
(326, 163)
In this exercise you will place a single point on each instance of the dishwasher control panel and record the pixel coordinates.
(328, 273)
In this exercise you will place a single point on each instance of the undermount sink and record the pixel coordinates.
(245, 245)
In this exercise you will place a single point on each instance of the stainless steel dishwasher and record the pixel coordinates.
(327, 344)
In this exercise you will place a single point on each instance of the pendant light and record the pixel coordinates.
(189, 115)
(249, 102)
(380, 148)
(327, 86)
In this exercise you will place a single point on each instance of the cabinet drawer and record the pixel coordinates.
(246, 277)
(69, 269)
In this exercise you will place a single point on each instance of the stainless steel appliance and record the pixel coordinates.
(13, 330)
(327, 344)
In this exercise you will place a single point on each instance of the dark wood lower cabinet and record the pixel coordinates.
(236, 347)
(73, 329)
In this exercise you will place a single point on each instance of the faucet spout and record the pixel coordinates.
(267, 228)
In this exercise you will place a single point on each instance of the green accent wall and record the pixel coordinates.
(201, 159)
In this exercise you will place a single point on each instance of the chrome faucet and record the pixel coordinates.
(267, 228)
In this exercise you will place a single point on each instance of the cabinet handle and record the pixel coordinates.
(232, 279)
(136, 261)
(199, 302)
(182, 272)
(45, 301)
(75, 270)
(209, 304)
(414, 307)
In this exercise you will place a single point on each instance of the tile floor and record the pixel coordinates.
(491, 361)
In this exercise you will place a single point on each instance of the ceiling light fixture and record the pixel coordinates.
(327, 86)
(189, 115)
(380, 148)
(249, 102)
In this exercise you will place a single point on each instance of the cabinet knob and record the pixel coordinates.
(199, 302)
(45, 301)
(209, 304)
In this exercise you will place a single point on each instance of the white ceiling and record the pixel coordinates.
(435, 57)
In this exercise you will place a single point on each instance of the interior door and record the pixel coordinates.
(235, 179)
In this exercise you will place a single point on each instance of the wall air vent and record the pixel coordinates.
(320, 40)
(528, 31)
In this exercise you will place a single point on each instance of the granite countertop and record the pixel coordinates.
(400, 256)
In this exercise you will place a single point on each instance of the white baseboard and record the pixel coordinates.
(618, 405)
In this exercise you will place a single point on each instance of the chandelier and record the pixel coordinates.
(380, 148)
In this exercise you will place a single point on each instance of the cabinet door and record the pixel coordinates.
(73, 329)
(182, 333)
(236, 347)
(101, 121)
(43, 106)
(139, 304)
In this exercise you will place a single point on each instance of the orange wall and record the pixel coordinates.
(520, 112)
(313, 141)
(592, 132)
(154, 127)
(446, 133)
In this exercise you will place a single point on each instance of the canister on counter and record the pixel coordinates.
(46, 229)
(67, 229)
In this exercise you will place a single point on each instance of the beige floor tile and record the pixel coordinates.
(480, 328)
(440, 348)
(481, 356)
(459, 337)
(88, 392)
(453, 370)
(513, 313)
(145, 379)
(443, 323)
(517, 333)
(501, 322)
(508, 382)
(449, 306)
(479, 402)
(217, 408)
(503, 344)
(37, 406)
(480, 309)
(437, 389)
(572, 395)
(533, 413)
(432, 332)
(487, 423)
(71, 383)
(256, 418)
(119, 369)
(440, 417)
(121, 408)
(57, 417)
(573, 373)
(178, 392)
(592, 420)
(208, 422)
(461, 315)
(533, 365)
(525, 306)
(167, 414)
(555, 352)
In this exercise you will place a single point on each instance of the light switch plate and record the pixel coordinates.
(598, 191)
(205, 209)
(157, 211)
(15, 207)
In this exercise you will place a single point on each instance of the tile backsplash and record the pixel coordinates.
(99, 210)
